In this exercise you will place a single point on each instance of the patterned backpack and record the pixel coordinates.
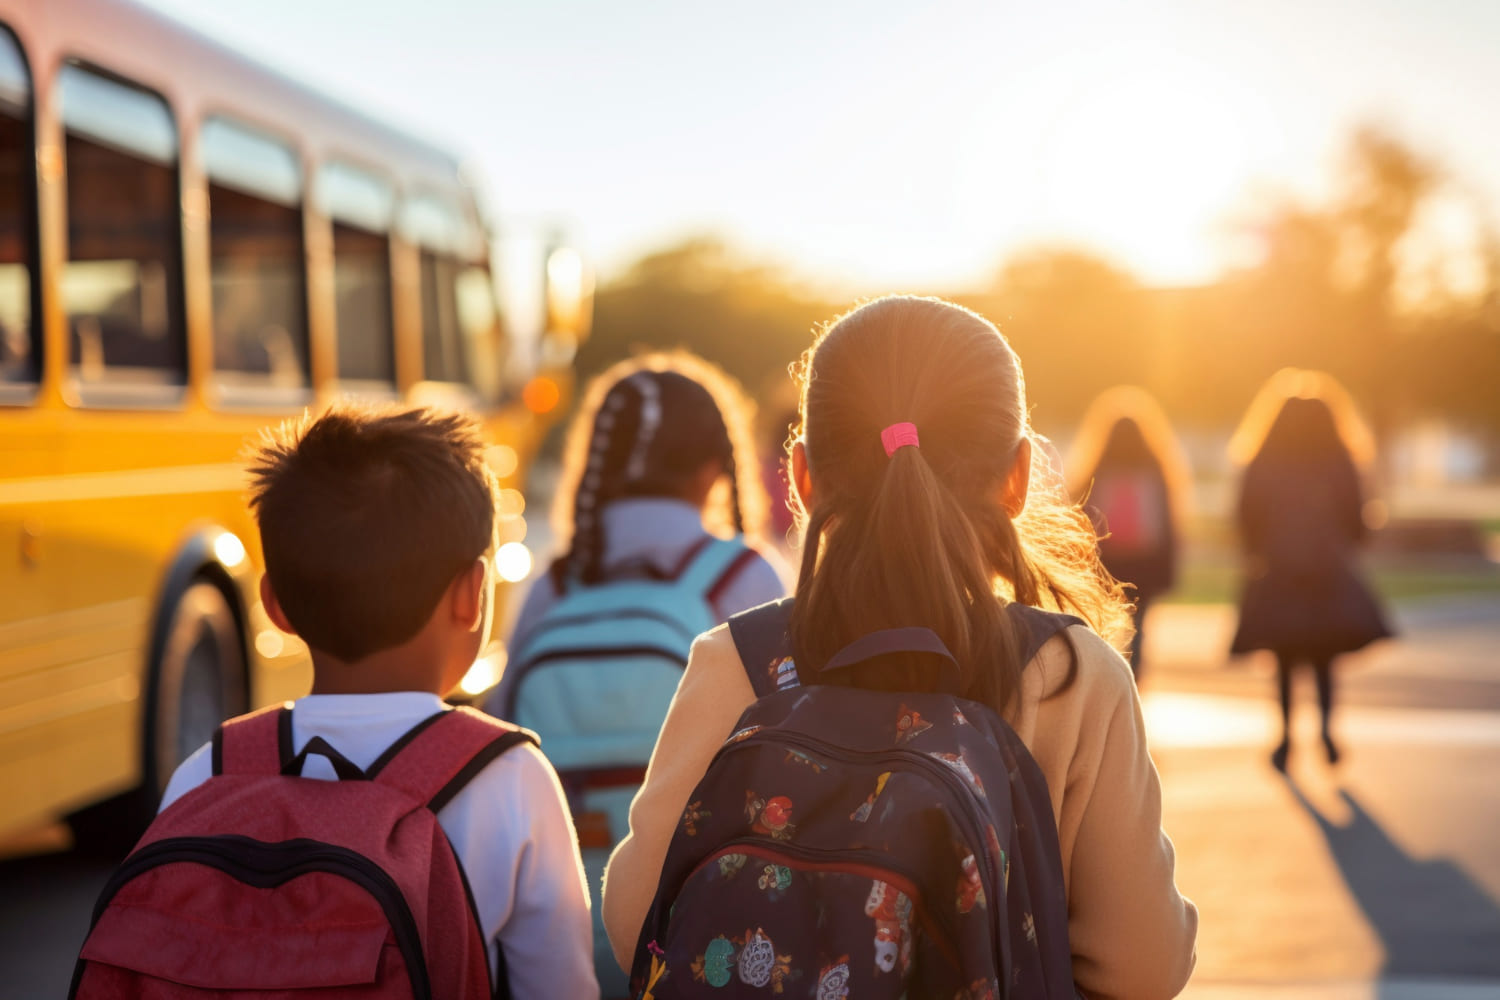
(593, 679)
(855, 843)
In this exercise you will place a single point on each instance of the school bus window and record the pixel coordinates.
(442, 345)
(360, 205)
(122, 287)
(479, 324)
(438, 228)
(256, 259)
(459, 323)
(19, 358)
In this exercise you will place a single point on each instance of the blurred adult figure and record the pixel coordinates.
(1128, 471)
(1301, 519)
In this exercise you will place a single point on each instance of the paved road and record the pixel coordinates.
(1375, 881)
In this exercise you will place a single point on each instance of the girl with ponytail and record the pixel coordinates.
(913, 471)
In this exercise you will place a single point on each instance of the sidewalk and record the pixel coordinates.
(1376, 879)
(1391, 989)
(1444, 655)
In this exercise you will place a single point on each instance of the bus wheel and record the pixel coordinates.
(197, 681)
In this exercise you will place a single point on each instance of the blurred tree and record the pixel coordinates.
(1385, 187)
(1323, 293)
(1290, 309)
(1452, 357)
(1080, 324)
(751, 320)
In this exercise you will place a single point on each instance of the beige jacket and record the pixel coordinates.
(1131, 932)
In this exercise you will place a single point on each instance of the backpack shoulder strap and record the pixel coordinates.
(1039, 626)
(762, 638)
(443, 753)
(257, 743)
(712, 563)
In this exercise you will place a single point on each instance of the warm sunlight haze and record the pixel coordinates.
(871, 147)
(1114, 382)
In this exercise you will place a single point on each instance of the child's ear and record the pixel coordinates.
(273, 606)
(801, 477)
(1018, 480)
(467, 595)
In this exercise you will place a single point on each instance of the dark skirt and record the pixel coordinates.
(1312, 616)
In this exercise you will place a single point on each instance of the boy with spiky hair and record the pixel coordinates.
(378, 526)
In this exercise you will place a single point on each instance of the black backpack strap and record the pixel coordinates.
(1039, 626)
(761, 635)
(345, 768)
(257, 743)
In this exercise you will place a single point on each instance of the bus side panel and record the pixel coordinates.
(72, 637)
(89, 553)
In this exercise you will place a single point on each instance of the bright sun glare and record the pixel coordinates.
(1139, 155)
(1146, 165)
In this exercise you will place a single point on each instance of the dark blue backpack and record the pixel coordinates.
(855, 843)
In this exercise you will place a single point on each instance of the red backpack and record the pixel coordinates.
(1132, 504)
(263, 883)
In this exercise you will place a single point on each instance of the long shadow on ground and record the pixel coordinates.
(1433, 920)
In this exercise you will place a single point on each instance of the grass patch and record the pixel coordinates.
(1395, 585)
(1218, 581)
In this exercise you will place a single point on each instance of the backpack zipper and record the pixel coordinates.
(905, 759)
(267, 865)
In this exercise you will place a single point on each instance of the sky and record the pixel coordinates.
(882, 146)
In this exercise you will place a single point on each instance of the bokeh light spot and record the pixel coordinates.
(541, 395)
(502, 460)
(513, 562)
(229, 550)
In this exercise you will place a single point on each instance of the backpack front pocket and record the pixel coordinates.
(756, 920)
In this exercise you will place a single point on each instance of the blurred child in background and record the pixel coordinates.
(1301, 519)
(1127, 470)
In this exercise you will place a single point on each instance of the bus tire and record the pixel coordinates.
(196, 681)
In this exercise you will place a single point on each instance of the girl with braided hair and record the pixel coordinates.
(660, 458)
(660, 469)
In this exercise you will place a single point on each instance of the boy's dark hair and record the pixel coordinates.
(366, 517)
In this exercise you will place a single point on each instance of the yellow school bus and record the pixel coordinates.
(192, 247)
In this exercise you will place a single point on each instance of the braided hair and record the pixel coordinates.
(657, 421)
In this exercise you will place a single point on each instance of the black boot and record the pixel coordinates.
(1278, 756)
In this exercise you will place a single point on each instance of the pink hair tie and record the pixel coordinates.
(899, 436)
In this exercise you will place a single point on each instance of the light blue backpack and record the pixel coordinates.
(594, 678)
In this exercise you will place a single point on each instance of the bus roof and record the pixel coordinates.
(200, 76)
